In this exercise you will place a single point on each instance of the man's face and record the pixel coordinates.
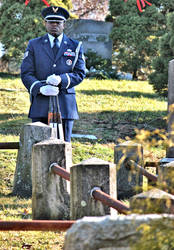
(54, 28)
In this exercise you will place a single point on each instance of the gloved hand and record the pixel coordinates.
(49, 90)
(53, 80)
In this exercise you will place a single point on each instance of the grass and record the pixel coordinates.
(113, 111)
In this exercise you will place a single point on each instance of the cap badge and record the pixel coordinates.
(55, 9)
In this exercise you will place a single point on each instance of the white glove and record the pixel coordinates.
(53, 80)
(49, 90)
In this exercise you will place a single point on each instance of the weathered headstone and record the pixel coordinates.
(30, 134)
(151, 202)
(84, 177)
(128, 182)
(93, 34)
(170, 123)
(50, 196)
(166, 175)
(116, 233)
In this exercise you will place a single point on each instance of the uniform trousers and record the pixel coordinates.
(67, 126)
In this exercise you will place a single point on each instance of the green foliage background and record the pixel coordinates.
(20, 23)
(144, 41)
(159, 77)
(135, 35)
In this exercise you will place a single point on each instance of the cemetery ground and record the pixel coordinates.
(113, 111)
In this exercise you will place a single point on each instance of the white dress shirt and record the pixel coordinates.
(51, 39)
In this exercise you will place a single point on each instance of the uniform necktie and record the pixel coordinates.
(55, 46)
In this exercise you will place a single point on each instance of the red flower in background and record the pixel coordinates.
(44, 1)
(140, 4)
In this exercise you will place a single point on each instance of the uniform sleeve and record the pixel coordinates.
(28, 71)
(69, 80)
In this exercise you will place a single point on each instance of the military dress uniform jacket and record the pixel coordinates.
(39, 63)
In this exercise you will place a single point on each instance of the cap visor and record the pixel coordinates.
(55, 18)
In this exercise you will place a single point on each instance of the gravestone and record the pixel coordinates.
(50, 192)
(129, 182)
(86, 176)
(170, 124)
(30, 134)
(93, 34)
(118, 232)
(166, 175)
(154, 201)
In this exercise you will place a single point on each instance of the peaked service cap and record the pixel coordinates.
(55, 13)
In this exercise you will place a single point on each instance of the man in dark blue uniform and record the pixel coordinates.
(60, 61)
